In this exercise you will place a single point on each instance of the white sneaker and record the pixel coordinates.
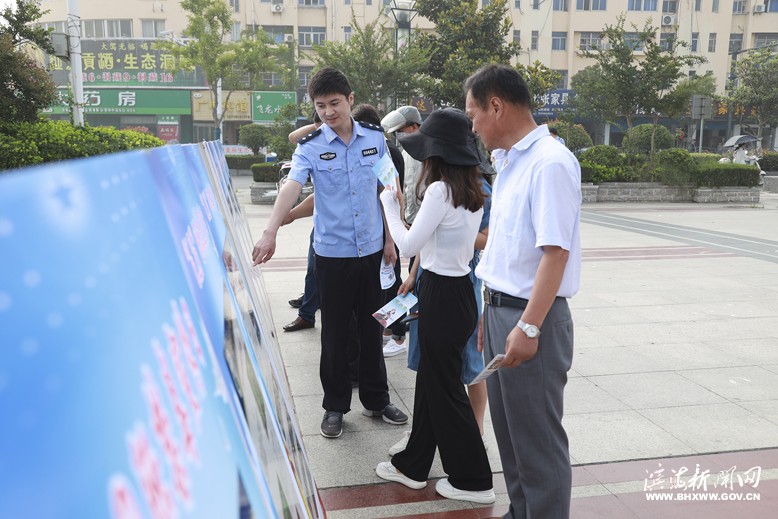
(392, 348)
(400, 445)
(385, 470)
(386, 337)
(445, 489)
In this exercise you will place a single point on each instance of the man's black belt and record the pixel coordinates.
(494, 298)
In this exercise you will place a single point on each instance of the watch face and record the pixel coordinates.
(532, 331)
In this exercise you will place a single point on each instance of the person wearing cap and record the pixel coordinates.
(443, 234)
(349, 245)
(530, 267)
(405, 120)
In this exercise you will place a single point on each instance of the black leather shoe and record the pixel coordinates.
(298, 324)
(296, 303)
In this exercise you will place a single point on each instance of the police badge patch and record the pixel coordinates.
(328, 156)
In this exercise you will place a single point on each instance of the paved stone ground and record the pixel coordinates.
(676, 364)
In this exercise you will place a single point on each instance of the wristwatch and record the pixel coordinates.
(530, 330)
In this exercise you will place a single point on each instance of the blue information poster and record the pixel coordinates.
(131, 354)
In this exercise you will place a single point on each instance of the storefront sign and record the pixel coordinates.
(555, 102)
(236, 105)
(120, 101)
(266, 106)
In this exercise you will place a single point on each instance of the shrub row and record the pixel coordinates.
(265, 172)
(769, 161)
(243, 161)
(673, 166)
(26, 144)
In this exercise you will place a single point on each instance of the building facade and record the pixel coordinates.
(551, 31)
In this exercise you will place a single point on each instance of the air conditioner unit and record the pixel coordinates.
(759, 8)
(288, 38)
(668, 19)
(277, 8)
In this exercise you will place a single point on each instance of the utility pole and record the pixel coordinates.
(76, 73)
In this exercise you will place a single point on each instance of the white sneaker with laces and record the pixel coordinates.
(446, 489)
(385, 470)
(400, 445)
(393, 348)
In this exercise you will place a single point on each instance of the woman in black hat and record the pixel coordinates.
(443, 232)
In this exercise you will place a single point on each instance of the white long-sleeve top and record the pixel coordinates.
(444, 235)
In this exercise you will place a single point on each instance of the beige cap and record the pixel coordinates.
(400, 118)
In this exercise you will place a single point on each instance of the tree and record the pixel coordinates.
(208, 46)
(278, 140)
(757, 87)
(25, 87)
(465, 38)
(376, 72)
(540, 80)
(254, 136)
(622, 84)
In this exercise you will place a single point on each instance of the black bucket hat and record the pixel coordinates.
(446, 134)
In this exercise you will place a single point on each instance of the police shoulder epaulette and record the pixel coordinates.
(371, 126)
(310, 136)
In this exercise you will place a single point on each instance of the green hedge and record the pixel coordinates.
(597, 173)
(638, 138)
(26, 144)
(769, 162)
(243, 161)
(675, 167)
(705, 158)
(265, 172)
(720, 175)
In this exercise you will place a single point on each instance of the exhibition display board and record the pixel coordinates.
(140, 375)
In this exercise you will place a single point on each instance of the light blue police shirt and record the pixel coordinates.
(347, 217)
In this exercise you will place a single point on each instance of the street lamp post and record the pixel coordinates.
(403, 12)
(74, 51)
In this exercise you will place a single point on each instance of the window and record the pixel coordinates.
(558, 41)
(641, 5)
(235, 4)
(698, 5)
(310, 36)
(93, 28)
(667, 40)
(632, 40)
(772, 6)
(739, 7)
(590, 41)
(346, 2)
(152, 28)
(311, 3)
(590, 5)
(118, 28)
(57, 26)
(346, 32)
(534, 43)
(517, 4)
(712, 42)
(715, 6)
(278, 32)
(486, 3)
(695, 41)
(304, 75)
(235, 31)
(272, 78)
(536, 4)
(517, 36)
(735, 42)
(562, 79)
(560, 5)
(763, 39)
(670, 6)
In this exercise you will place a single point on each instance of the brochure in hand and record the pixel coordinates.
(490, 368)
(395, 309)
(385, 171)
(387, 275)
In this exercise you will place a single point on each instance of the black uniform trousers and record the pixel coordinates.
(442, 415)
(351, 287)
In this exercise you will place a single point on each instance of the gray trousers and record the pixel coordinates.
(526, 406)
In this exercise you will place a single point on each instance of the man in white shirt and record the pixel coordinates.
(531, 265)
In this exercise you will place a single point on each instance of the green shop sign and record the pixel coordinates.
(265, 106)
(120, 62)
(128, 101)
